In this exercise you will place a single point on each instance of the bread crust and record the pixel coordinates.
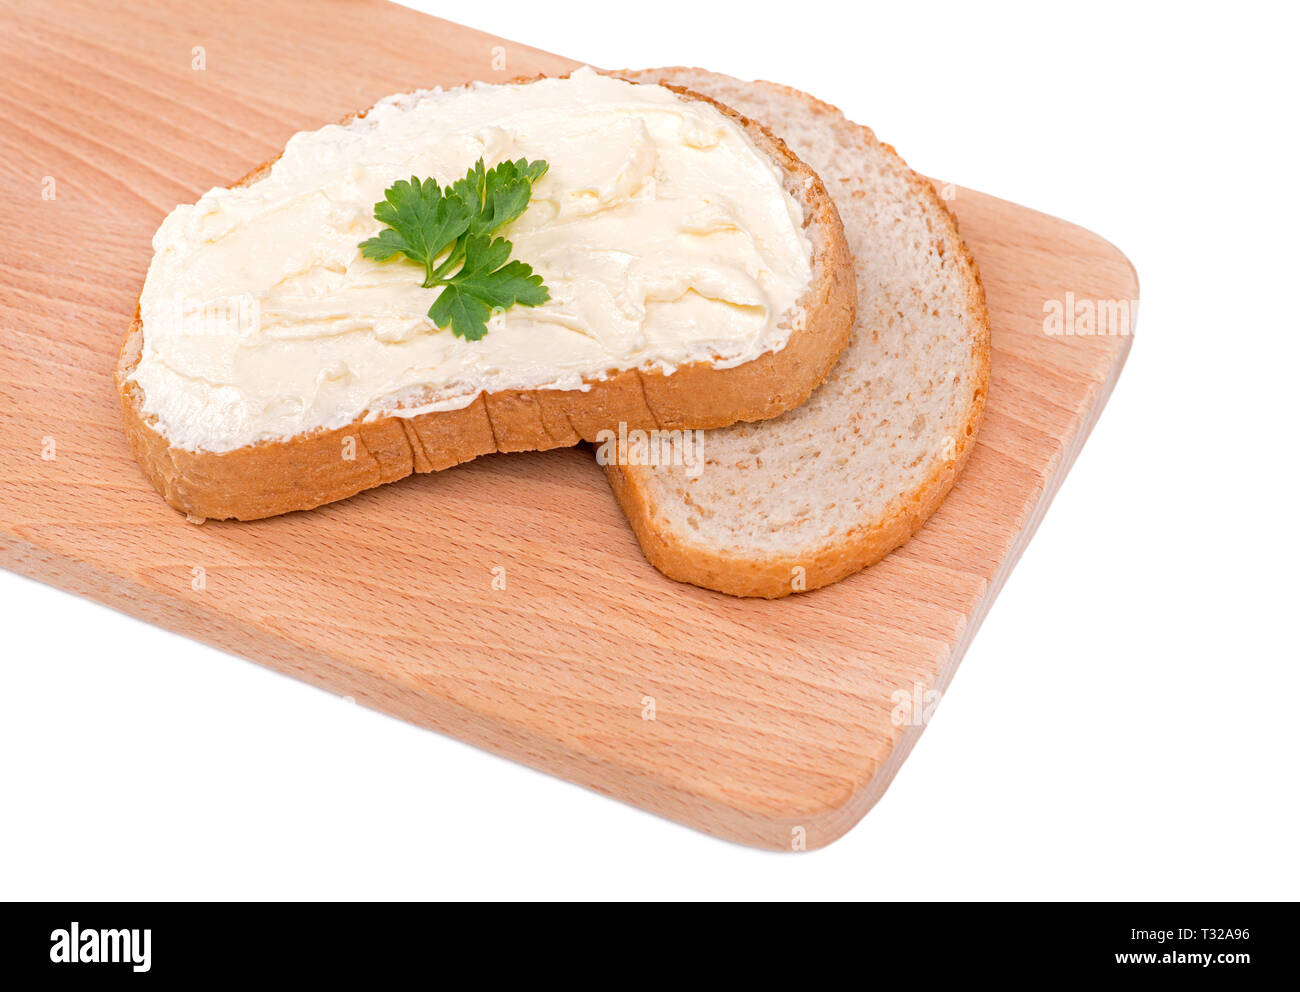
(770, 576)
(310, 470)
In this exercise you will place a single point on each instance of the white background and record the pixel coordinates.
(1124, 725)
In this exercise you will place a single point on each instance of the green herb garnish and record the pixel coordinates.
(450, 232)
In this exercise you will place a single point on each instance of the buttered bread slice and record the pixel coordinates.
(695, 274)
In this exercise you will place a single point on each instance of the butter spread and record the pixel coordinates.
(662, 232)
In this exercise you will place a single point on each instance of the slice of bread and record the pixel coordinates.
(311, 469)
(832, 486)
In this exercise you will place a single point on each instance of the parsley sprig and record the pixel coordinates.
(450, 231)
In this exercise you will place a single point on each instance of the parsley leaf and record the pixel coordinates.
(486, 282)
(498, 195)
(422, 224)
(449, 231)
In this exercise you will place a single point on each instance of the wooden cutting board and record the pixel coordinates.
(774, 724)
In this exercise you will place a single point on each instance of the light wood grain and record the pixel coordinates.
(771, 717)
